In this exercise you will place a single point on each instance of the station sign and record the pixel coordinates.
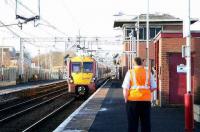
(185, 51)
(181, 68)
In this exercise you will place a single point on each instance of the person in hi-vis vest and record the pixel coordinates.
(137, 87)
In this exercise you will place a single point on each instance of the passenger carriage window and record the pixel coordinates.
(76, 67)
(87, 66)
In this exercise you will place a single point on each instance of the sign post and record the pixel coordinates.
(188, 99)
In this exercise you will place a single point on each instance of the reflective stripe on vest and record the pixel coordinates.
(139, 92)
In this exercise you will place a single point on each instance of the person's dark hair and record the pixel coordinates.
(138, 60)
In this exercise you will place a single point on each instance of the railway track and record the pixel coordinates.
(16, 114)
(29, 101)
(40, 90)
(53, 116)
(17, 110)
(38, 123)
(23, 119)
(43, 111)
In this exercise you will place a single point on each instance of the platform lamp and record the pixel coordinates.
(147, 35)
(188, 97)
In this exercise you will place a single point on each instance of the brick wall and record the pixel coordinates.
(196, 61)
(142, 51)
(169, 45)
(173, 27)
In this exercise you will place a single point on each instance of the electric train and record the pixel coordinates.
(83, 73)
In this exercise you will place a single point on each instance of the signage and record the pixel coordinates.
(181, 68)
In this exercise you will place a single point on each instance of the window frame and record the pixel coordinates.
(142, 37)
(91, 70)
(72, 67)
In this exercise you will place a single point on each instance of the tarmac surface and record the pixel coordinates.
(105, 112)
(112, 116)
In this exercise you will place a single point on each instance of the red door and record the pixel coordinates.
(177, 81)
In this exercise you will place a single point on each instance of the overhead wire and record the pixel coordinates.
(14, 33)
(42, 18)
(72, 17)
(19, 24)
(7, 26)
(12, 6)
(69, 12)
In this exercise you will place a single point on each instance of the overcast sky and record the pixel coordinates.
(91, 17)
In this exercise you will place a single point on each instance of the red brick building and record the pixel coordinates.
(166, 41)
(172, 85)
(157, 23)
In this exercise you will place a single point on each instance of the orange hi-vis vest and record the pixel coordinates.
(139, 85)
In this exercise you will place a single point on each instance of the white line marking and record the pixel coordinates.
(61, 127)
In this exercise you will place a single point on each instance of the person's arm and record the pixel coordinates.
(126, 86)
(153, 83)
(125, 93)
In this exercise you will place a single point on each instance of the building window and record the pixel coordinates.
(142, 34)
(152, 32)
(128, 31)
(158, 30)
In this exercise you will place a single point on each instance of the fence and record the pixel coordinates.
(33, 74)
(10, 76)
(7, 76)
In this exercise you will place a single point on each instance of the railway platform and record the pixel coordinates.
(105, 111)
(9, 93)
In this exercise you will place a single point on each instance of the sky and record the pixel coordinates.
(91, 18)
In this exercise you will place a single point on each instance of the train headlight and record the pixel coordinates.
(93, 79)
(71, 81)
(81, 90)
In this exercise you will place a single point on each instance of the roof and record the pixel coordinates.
(82, 59)
(153, 18)
(174, 34)
(156, 16)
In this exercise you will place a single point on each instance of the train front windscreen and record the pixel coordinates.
(87, 66)
(76, 67)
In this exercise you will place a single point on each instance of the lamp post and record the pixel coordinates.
(2, 61)
(21, 60)
(188, 97)
(38, 62)
(147, 35)
(138, 33)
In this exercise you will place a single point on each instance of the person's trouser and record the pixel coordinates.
(139, 110)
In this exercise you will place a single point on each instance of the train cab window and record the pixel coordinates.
(87, 66)
(76, 67)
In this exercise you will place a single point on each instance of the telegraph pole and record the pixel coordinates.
(50, 63)
(2, 61)
(147, 35)
(138, 37)
(130, 49)
(38, 63)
